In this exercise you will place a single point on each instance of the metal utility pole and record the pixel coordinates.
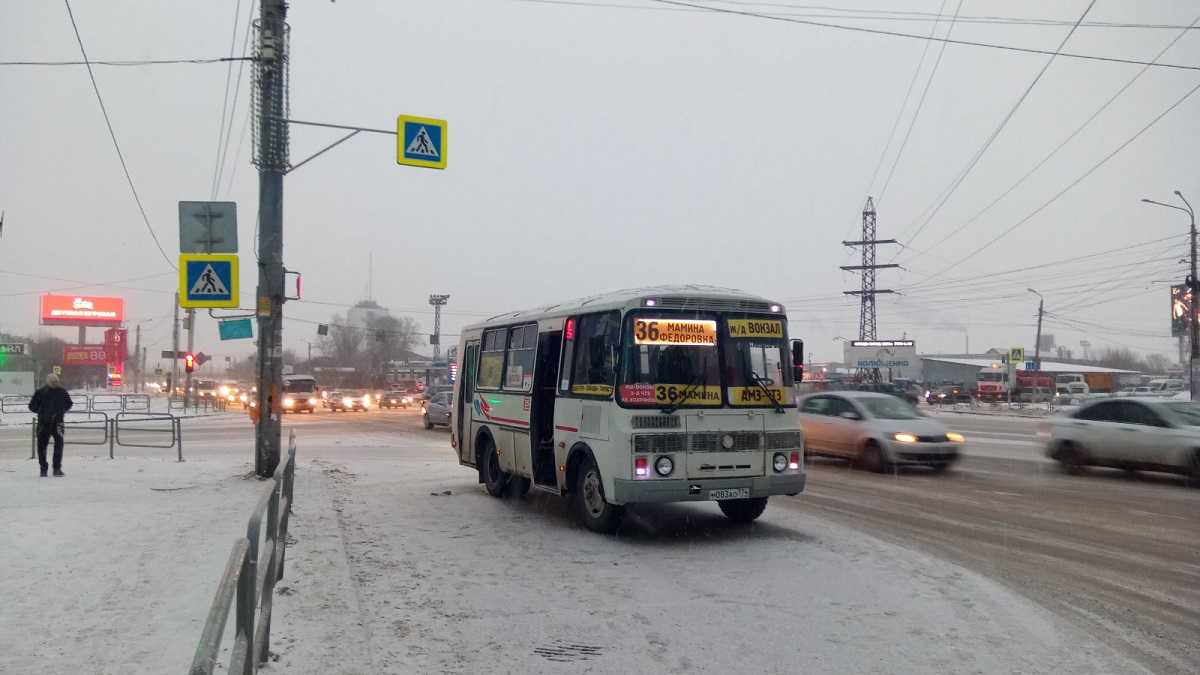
(438, 301)
(137, 353)
(270, 100)
(1037, 343)
(1193, 283)
(867, 315)
(187, 377)
(174, 348)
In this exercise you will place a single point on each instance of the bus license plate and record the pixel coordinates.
(730, 493)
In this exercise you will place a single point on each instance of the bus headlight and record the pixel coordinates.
(780, 462)
(312, 401)
(289, 402)
(663, 466)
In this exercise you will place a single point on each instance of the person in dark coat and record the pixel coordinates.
(50, 403)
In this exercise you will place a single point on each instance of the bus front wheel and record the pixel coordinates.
(743, 510)
(591, 506)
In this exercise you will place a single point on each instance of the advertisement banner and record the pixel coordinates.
(115, 343)
(82, 310)
(898, 355)
(85, 355)
(1181, 301)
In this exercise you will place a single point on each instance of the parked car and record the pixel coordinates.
(876, 431)
(352, 401)
(1128, 433)
(436, 411)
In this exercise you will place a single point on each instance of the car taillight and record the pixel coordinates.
(794, 460)
(641, 467)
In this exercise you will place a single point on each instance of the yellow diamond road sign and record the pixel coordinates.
(421, 141)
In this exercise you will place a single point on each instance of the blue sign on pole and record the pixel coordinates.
(236, 329)
(421, 141)
(208, 280)
(1030, 365)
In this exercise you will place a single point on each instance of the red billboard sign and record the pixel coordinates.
(82, 310)
(115, 343)
(85, 355)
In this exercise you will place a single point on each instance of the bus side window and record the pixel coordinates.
(491, 360)
(594, 366)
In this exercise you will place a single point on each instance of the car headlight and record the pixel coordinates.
(905, 438)
(347, 401)
(663, 466)
(406, 399)
(289, 402)
(224, 391)
(312, 401)
(393, 401)
(955, 437)
(366, 400)
(245, 398)
(780, 462)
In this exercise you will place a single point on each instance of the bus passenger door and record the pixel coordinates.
(462, 407)
(544, 393)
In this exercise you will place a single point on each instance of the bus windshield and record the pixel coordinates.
(756, 359)
(671, 359)
(301, 385)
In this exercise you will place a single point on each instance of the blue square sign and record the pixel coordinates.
(421, 141)
(208, 280)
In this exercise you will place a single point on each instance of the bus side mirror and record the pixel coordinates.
(798, 360)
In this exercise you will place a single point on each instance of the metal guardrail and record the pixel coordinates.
(71, 424)
(151, 425)
(176, 403)
(14, 403)
(252, 582)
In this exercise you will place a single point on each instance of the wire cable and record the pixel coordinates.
(225, 112)
(1063, 144)
(962, 176)
(920, 104)
(890, 33)
(233, 111)
(131, 62)
(112, 134)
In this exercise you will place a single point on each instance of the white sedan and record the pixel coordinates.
(1128, 433)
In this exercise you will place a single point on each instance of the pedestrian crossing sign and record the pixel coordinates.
(421, 141)
(208, 280)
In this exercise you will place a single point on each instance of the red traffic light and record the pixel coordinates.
(189, 362)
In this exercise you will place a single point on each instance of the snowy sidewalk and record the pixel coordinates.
(112, 569)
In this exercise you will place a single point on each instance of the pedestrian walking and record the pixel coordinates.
(50, 403)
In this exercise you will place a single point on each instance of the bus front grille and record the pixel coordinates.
(711, 441)
(659, 443)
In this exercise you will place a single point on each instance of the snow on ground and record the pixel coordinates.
(405, 565)
(402, 564)
(112, 569)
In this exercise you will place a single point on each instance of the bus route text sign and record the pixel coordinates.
(755, 328)
(670, 332)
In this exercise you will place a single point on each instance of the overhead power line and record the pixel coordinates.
(112, 134)
(1078, 130)
(225, 111)
(962, 176)
(132, 62)
(916, 36)
(237, 89)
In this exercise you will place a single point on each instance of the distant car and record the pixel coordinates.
(1128, 433)
(437, 410)
(349, 401)
(395, 399)
(876, 431)
(947, 393)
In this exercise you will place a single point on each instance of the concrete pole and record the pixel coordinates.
(272, 163)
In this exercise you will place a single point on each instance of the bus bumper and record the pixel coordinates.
(682, 490)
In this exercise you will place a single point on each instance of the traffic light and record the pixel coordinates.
(189, 362)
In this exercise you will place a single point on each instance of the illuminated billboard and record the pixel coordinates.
(82, 310)
(84, 355)
(1181, 300)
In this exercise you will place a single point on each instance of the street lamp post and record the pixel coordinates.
(1037, 343)
(1191, 283)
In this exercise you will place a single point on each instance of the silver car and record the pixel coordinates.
(1128, 433)
(876, 431)
(437, 410)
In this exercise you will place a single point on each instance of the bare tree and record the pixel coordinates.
(1157, 363)
(343, 344)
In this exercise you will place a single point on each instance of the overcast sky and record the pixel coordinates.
(593, 148)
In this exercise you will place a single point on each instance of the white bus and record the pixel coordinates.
(648, 395)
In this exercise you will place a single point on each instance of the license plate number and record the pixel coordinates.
(730, 493)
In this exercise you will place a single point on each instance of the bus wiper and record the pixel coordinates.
(702, 378)
(770, 395)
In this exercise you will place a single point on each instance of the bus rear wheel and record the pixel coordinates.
(743, 510)
(495, 479)
(590, 505)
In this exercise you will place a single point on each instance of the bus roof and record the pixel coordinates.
(687, 296)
